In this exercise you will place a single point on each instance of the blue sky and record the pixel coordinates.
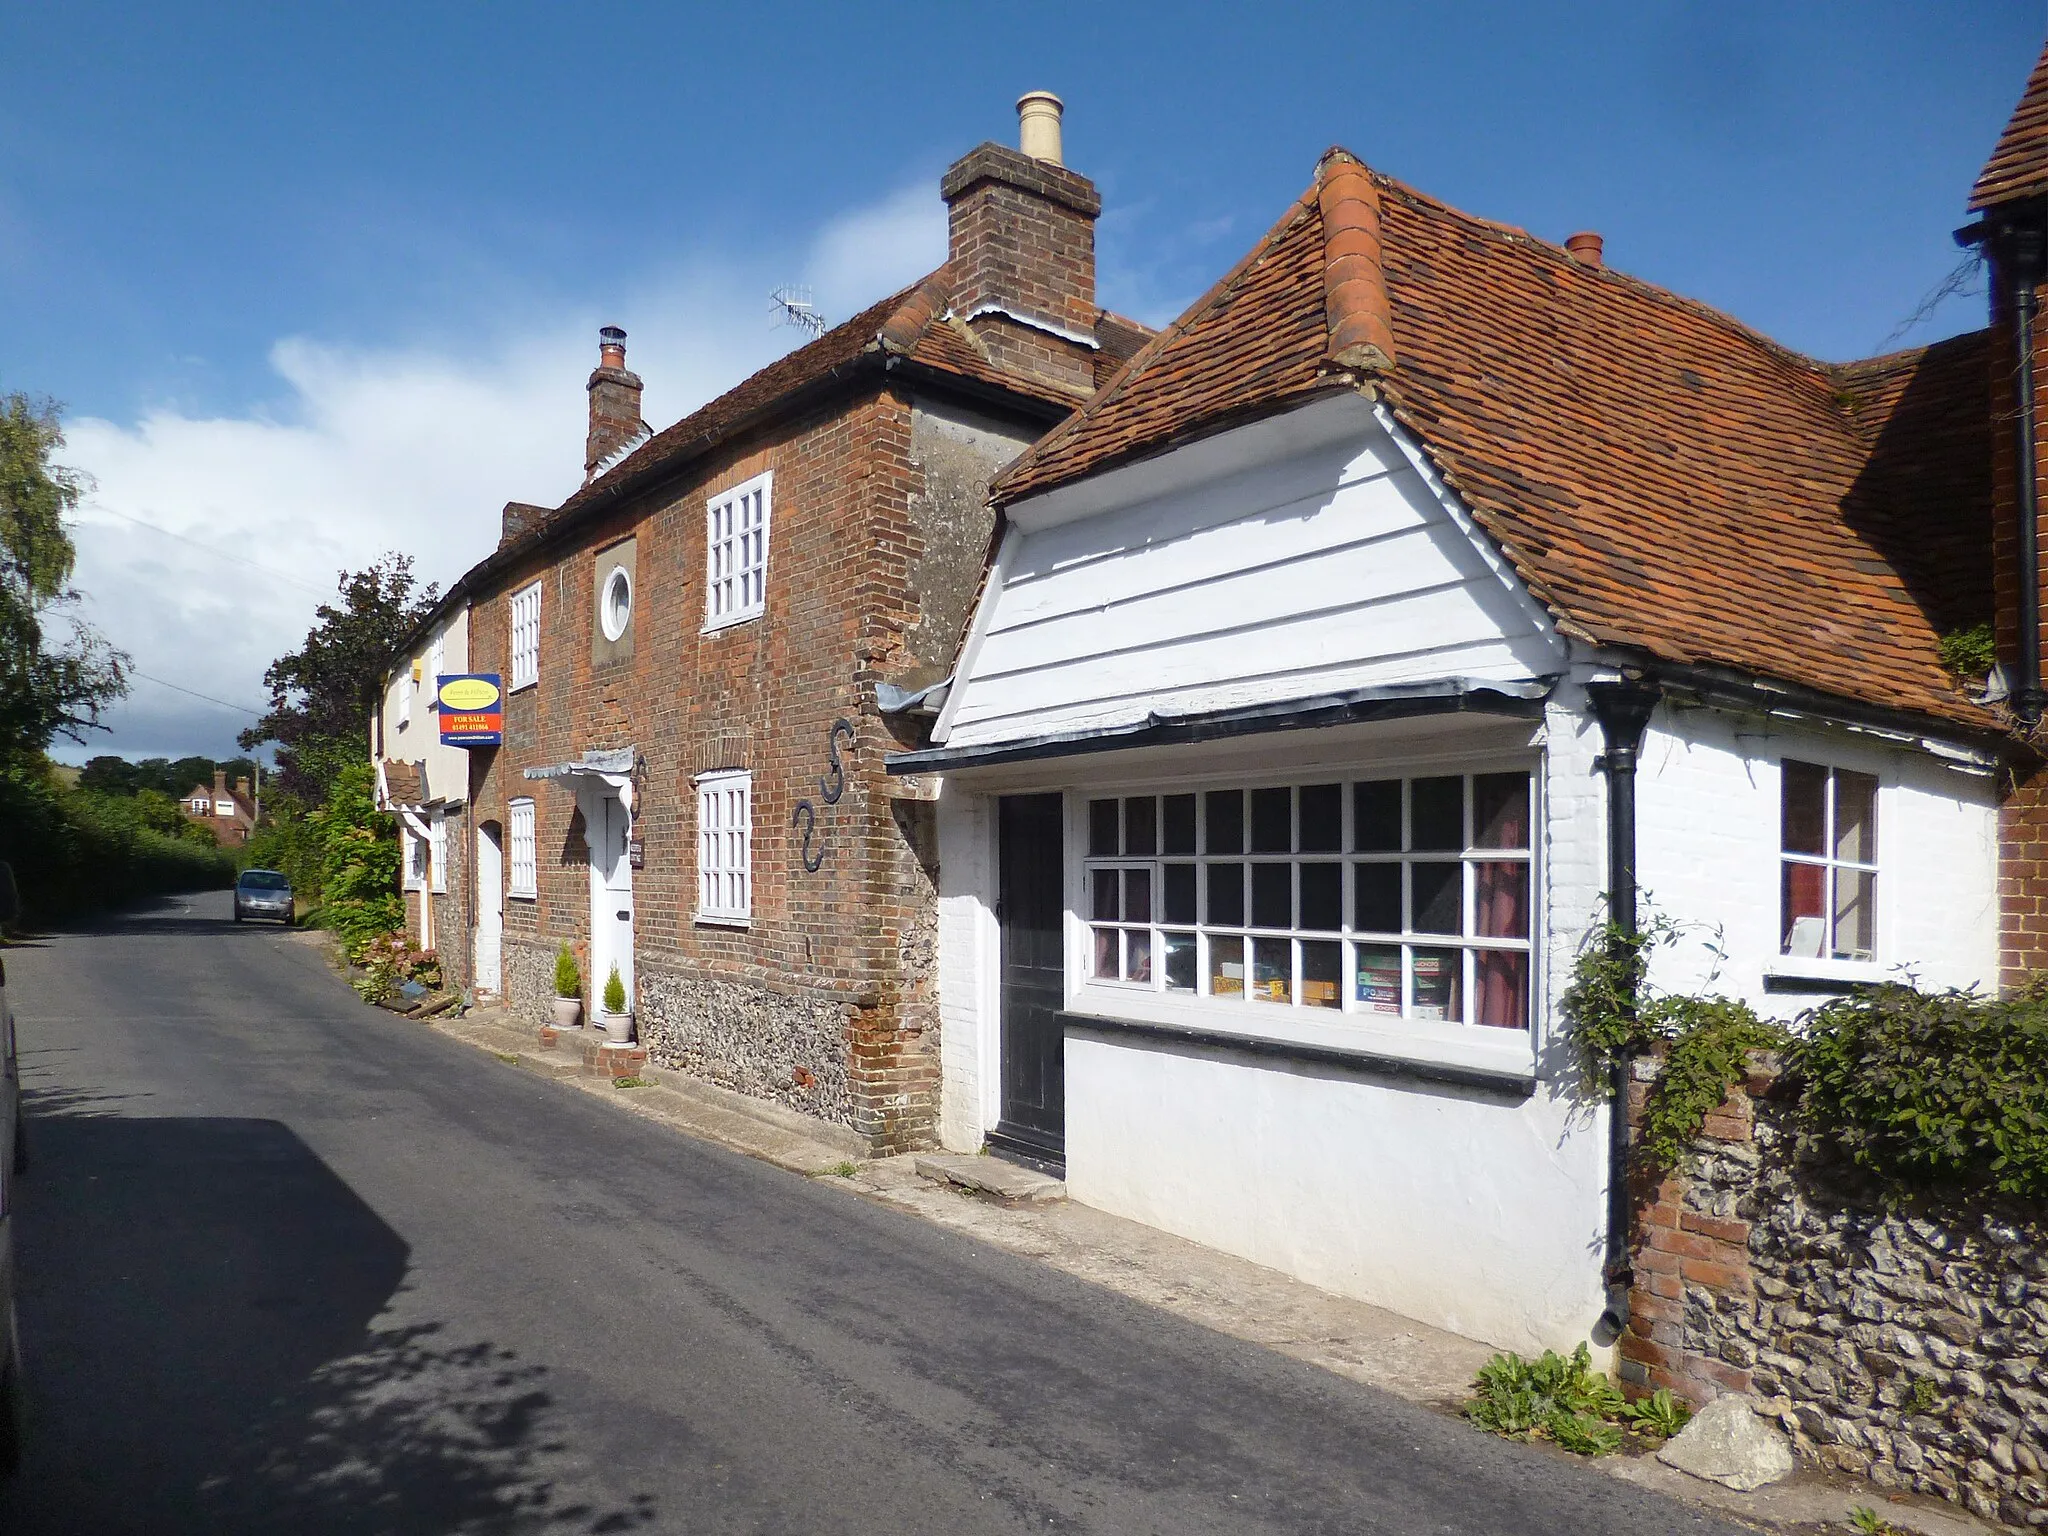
(317, 280)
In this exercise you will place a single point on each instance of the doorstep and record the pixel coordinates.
(993, 1178)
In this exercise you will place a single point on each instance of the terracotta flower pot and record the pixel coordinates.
(568, 1013)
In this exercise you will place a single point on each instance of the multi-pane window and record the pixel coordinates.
(406, 686)
(736, 553)
(524, 870)
(526, 636)
(725, 836)
(1828, 868)
(437, 658)
(1390, 896)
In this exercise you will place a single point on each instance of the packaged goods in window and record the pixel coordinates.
(1322, 968)
(1272, 970)
(1379, 979)
(1226, 967)
(1436, 983)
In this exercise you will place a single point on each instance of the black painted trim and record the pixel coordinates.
(1818, 986)
(1370, 1063)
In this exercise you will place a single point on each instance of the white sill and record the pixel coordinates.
(732, 621)
(1802, 968)
(522, 687)
(1474, 1047)
(714, 920)
(522, 895)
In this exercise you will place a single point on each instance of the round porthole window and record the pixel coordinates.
(616, 609)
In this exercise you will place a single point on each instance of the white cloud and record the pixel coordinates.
(412, 449)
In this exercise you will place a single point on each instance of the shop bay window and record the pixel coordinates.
(1409, 897)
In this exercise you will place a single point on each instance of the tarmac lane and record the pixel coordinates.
(294, 1264)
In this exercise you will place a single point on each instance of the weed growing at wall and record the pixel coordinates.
(1563, 1399)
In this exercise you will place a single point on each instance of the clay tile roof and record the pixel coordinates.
(406, 782)
(2018, 166)
(1661, 477)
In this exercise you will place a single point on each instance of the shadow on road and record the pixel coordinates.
(200, 1316)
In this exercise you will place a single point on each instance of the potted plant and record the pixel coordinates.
(618, 1018)
(568, 991)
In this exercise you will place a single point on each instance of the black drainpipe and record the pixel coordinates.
(1623, 709)
(2015, 236)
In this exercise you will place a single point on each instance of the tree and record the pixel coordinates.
(321, 695)
(46, 690)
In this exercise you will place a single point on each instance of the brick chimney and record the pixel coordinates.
(242, 790)
(615, 423)
(220, 785)
(1021, 245)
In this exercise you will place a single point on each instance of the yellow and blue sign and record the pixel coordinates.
(472, 709)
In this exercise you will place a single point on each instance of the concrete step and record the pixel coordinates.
(992, 1178)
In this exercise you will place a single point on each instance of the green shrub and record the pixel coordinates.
(1710, 1041)
(359, 861)
(1918, 1088)
(614, 993)
(568, 980)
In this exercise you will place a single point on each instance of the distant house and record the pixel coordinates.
(1390, 617)
(230, 814)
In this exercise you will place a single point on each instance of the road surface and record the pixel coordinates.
(292, 1264)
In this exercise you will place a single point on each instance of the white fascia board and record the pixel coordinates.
(970, 648)
(1467, 524)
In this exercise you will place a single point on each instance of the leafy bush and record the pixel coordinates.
(1920, 1088)
(1557, 1397)
(1710, 1041)
(1659, 1414)
(289, 843)
(359, 862)
(568, 980)
(392, 958)
(614, 993)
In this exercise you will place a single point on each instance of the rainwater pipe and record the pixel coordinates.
(1623, 708)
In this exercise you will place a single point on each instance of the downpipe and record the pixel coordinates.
(1623, 708)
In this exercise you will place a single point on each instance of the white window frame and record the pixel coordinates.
(1352, 1023)
(437, 658)
(736, 524)
(523, 630)
(617, 574)
(413, 847)
(437, 854)
(1832, 867)
(725, 848)
(406, 688)
(523, 865)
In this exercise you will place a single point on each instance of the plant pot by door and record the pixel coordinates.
(568, 1013)
(618, 1028)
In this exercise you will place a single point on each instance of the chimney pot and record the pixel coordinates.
(1038, 126)
(1585, 248)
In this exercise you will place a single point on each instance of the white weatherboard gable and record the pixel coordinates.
(1318, 555)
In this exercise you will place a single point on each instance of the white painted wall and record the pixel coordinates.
(1708, 807)
(1316, 557)
(415, 736)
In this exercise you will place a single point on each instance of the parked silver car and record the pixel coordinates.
(13, 1159)
(263, 893)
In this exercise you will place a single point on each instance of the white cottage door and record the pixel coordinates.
(611, 898)
(490, 909)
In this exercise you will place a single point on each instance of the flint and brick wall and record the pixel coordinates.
(1903, 1345)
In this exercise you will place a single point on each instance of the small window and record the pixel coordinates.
(1828, 863)
(437, 659)
(725, 853)
(615, 607)
(526, 636)
(523, 869)
(437, 855)
(405, 692)
(736, 553)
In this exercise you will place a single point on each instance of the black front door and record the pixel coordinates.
(1030, 904)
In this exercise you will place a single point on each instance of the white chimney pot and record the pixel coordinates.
(1038, 126)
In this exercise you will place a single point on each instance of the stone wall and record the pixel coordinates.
(789, 1046)
(528, 972)
(1903, 1345)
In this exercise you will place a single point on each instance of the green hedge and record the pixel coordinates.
(78, 851)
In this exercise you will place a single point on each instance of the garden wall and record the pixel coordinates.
(1903, 1345)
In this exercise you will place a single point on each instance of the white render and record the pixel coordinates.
(1319, 557)
(1310, 554)
(412, 734)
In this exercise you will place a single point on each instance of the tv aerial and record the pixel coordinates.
(793, 306)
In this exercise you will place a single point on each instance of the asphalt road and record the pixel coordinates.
(292, 1264)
